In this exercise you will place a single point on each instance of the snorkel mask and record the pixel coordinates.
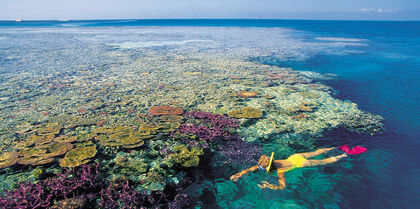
(269, 164)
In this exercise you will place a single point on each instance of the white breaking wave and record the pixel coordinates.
(144, 44)
(340, 39)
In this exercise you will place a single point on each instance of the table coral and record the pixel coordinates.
(43, 154)
(165, 110)
(78, 156)
(246, 112)
(8, 158)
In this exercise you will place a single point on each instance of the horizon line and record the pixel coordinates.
(66, 20)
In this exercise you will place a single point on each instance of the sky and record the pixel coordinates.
(196, 9)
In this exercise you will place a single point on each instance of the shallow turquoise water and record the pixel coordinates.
(377, 66)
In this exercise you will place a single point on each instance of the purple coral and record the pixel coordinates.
(115, 196)
(28, 195)
(84, 183)
(210, 127)
(42, 194)
(125, 196)
(180, 201)
(216, 120)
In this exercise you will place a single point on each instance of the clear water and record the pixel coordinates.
(376, 65)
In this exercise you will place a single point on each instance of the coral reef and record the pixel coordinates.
(130, 110)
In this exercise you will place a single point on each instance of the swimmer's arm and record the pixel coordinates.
(243, 172)
(282, 182)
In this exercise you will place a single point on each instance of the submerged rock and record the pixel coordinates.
(363, 122)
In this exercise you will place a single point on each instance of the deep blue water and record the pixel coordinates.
(382, 78)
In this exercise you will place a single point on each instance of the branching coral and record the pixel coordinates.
(209, 127)
(42, 194)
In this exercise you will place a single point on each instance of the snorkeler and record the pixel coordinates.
(297, 160)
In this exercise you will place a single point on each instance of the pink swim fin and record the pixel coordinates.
(356, 150)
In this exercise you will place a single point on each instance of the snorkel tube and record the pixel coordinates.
(271, 160)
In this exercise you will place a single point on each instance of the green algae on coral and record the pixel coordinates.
(186, 157)
(35, 160)
(246, 112)
(309, 95)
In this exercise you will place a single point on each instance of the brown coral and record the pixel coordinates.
(65, 138)
(7, 159)
(246, 112)
(305, 108)
(166, 110)
(71, 203)
(247, 94)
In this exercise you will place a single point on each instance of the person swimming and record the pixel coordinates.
(297, 160)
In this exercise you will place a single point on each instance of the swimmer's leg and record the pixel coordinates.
(323, 161)
(315, 153)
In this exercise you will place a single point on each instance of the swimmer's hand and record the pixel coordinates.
(235, 177)
(270, 186)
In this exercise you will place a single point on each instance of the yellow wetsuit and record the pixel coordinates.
(296, 160)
